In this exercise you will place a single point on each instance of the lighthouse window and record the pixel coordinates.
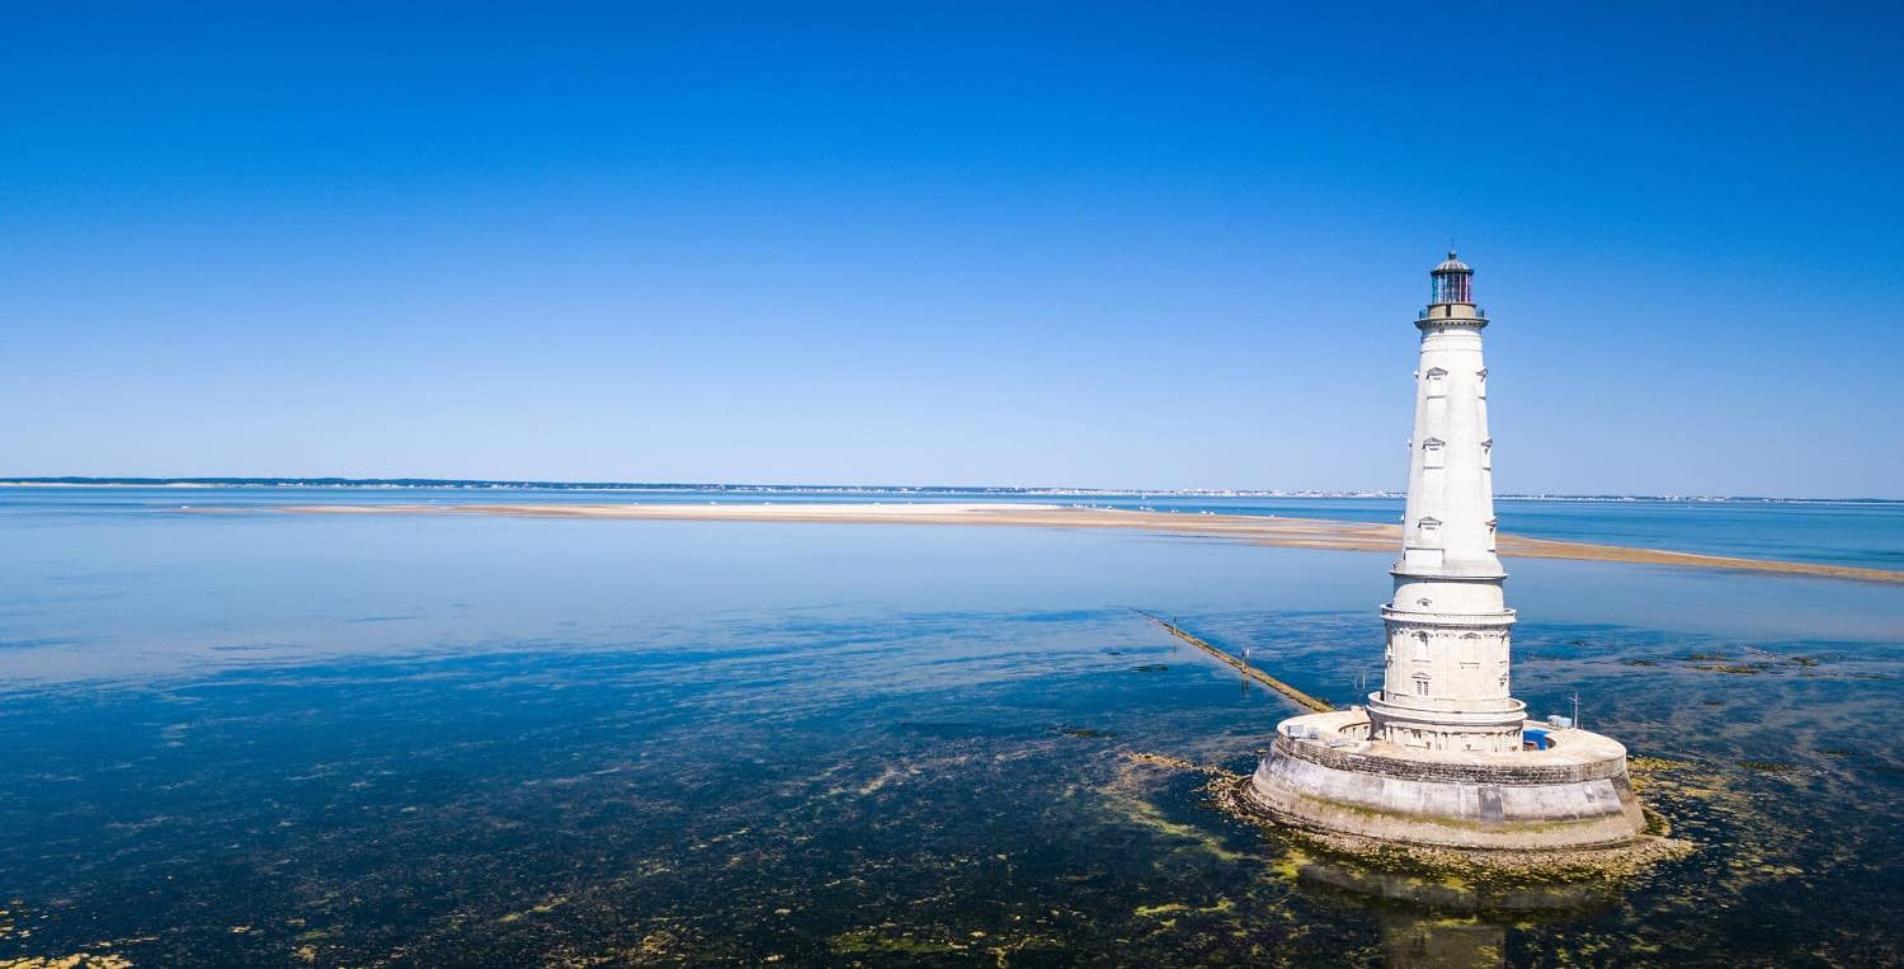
(1421, 646)
(1421, 686)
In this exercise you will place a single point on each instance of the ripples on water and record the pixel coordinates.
(271, 739)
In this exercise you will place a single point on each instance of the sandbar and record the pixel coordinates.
(1254, 529)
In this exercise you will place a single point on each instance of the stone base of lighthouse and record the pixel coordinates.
(1325, 774)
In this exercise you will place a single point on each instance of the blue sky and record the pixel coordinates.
(1090, 244)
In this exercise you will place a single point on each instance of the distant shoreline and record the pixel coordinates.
(1253, 529)
(733, 488)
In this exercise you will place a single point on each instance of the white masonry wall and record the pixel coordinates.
(1446, 681)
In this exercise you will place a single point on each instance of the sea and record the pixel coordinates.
(235, 735)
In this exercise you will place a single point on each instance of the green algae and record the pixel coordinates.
(1734, 669)
(1170, 908)
(889, 940)
(1125, 799)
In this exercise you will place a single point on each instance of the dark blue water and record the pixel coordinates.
(269, 739)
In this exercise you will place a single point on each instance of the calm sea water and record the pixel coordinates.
(260, 739)
(1861, 533)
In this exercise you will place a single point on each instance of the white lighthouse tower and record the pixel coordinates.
(1445, 683)
(1443, 755)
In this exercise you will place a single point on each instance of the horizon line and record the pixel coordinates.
(584, 485)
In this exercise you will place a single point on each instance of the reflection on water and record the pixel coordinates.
(270, 740)
(1414, 940)
(1429, 921)
(1456, 898)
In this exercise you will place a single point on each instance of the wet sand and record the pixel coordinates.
(1253, 529)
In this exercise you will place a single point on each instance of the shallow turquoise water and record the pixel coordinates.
(262, 739)
(1859, 533)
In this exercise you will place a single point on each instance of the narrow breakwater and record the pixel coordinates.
(1236, 663)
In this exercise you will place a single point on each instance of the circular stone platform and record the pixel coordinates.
(1324, 774)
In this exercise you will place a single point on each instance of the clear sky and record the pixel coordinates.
(1153, 245)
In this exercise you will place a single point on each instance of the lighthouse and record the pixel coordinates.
(1445, 675)
(1443, 755)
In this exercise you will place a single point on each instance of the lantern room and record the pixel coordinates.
(1453, 282)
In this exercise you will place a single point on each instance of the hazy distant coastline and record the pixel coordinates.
(925, 491)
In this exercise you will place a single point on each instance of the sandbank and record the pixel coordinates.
(1253, 529)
